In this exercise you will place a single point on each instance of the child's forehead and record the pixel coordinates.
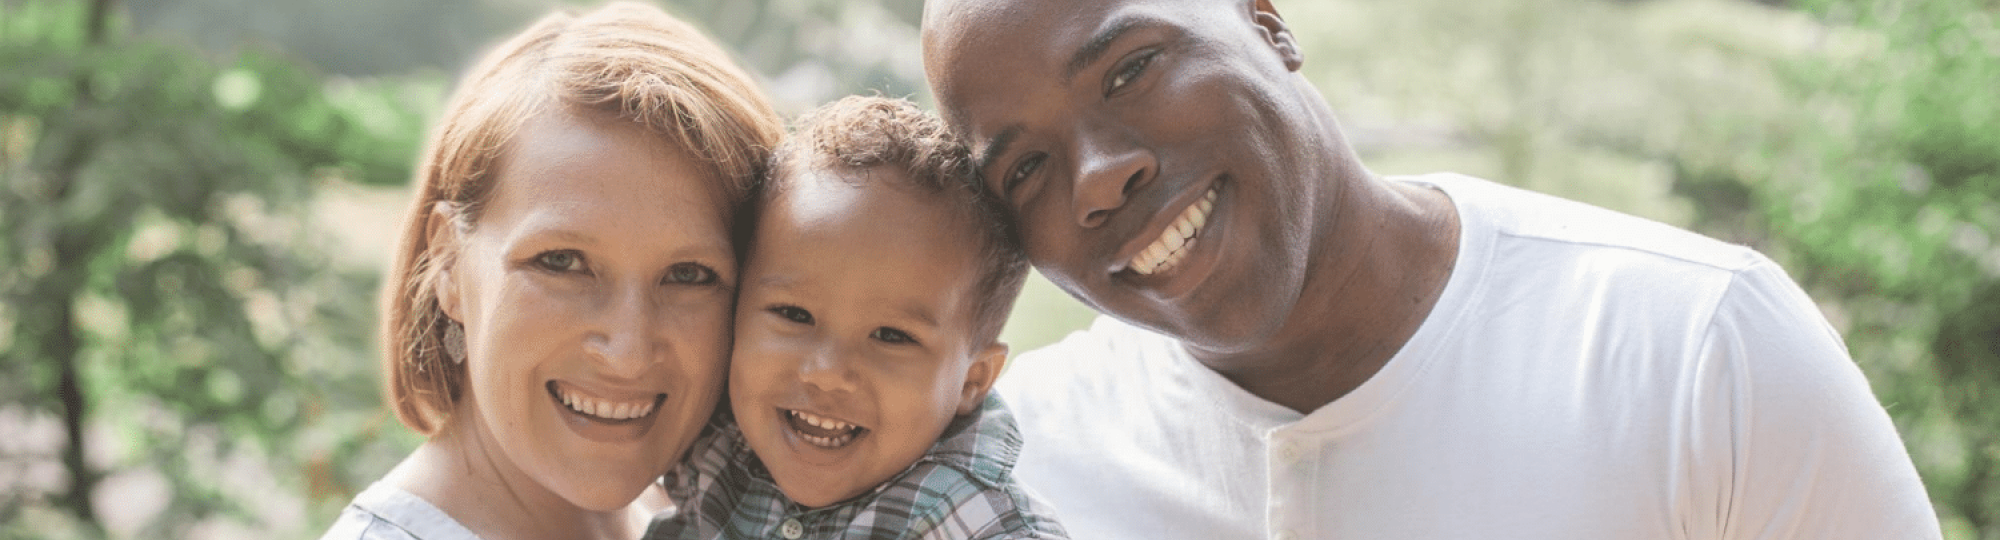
(876, 200)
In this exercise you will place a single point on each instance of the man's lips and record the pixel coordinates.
(1177, 239)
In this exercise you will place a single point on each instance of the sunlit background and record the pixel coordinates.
(198, 197)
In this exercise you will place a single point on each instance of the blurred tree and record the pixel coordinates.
(1880, 189)
(165, 298)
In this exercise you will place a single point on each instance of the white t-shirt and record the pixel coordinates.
(386, 512)
(1585, 375)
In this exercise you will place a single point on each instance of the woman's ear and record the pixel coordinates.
(1279, 36)
(442, 240)
(980, 375)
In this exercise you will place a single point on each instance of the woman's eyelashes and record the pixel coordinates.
(690, 273)
(568, 261)
(563, 260)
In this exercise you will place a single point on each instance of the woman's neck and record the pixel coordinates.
(468, 477)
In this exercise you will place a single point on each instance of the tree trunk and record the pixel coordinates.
(62, 343)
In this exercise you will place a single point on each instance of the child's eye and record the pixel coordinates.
(793, 313)
(890, 335)
(560, 260)
(688, 273)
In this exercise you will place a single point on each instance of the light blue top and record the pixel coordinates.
(385, 512)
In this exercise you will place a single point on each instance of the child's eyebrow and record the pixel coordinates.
(917, 312)
(776, 280)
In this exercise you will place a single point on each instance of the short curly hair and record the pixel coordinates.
(625, 60)
(865, 132)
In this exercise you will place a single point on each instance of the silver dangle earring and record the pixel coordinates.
(454, 342)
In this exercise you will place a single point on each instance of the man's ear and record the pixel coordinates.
(443, 241)
(1273, 28)
(980, 375)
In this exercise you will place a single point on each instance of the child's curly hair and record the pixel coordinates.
(865, 132)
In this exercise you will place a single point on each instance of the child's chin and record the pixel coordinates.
(815, 495)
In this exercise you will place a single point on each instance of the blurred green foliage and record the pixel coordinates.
(167, 305)
(1883, 194)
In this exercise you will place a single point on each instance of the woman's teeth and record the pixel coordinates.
(1174, 243)
(606, 409)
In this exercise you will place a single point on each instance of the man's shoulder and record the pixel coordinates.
(1086, 363)
(1517, 216)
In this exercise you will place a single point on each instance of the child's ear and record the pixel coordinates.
(980, 375)
(442, 240)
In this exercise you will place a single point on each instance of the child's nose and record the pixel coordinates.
(823, 368)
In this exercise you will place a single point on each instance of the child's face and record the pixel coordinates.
(853, 342)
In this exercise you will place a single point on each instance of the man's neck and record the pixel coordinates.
(1378, 272)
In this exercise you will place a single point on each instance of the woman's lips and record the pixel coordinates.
(603, 419)
(611, 410)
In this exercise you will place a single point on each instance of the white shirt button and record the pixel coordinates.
(1290, 451)
(792, 529)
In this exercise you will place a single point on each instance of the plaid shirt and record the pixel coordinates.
(961, 489)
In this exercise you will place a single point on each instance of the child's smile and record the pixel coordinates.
(853, 332)
(822, 431)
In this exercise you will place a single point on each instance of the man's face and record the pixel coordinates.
(1160, 155)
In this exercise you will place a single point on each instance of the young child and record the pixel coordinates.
(867, 332)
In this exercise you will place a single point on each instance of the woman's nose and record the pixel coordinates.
(625, 339)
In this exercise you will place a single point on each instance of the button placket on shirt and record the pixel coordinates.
(791, 529)
(1288, 461)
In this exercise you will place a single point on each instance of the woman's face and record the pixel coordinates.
(596, 291)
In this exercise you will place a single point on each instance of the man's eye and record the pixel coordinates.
(688, 273)
(1021, 172)
(890, 335)
(1128, 71)
(793, 313)
(560, 261)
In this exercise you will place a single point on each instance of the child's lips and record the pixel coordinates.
(820, 430)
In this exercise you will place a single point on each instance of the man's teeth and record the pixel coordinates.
(1172, 246)
(609, 410)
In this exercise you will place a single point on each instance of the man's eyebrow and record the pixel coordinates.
(1099, 44)
(998, 147)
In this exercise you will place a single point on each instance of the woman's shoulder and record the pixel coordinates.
(385, 512)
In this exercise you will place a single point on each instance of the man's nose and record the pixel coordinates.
(1109, 168)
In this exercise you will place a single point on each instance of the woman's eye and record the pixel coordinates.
(1021, 172)
(560, 261)
(1128, 71)
(690, 274)
(890, 335)
(793, 313)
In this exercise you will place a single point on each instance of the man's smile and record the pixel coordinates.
(1173, 244)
